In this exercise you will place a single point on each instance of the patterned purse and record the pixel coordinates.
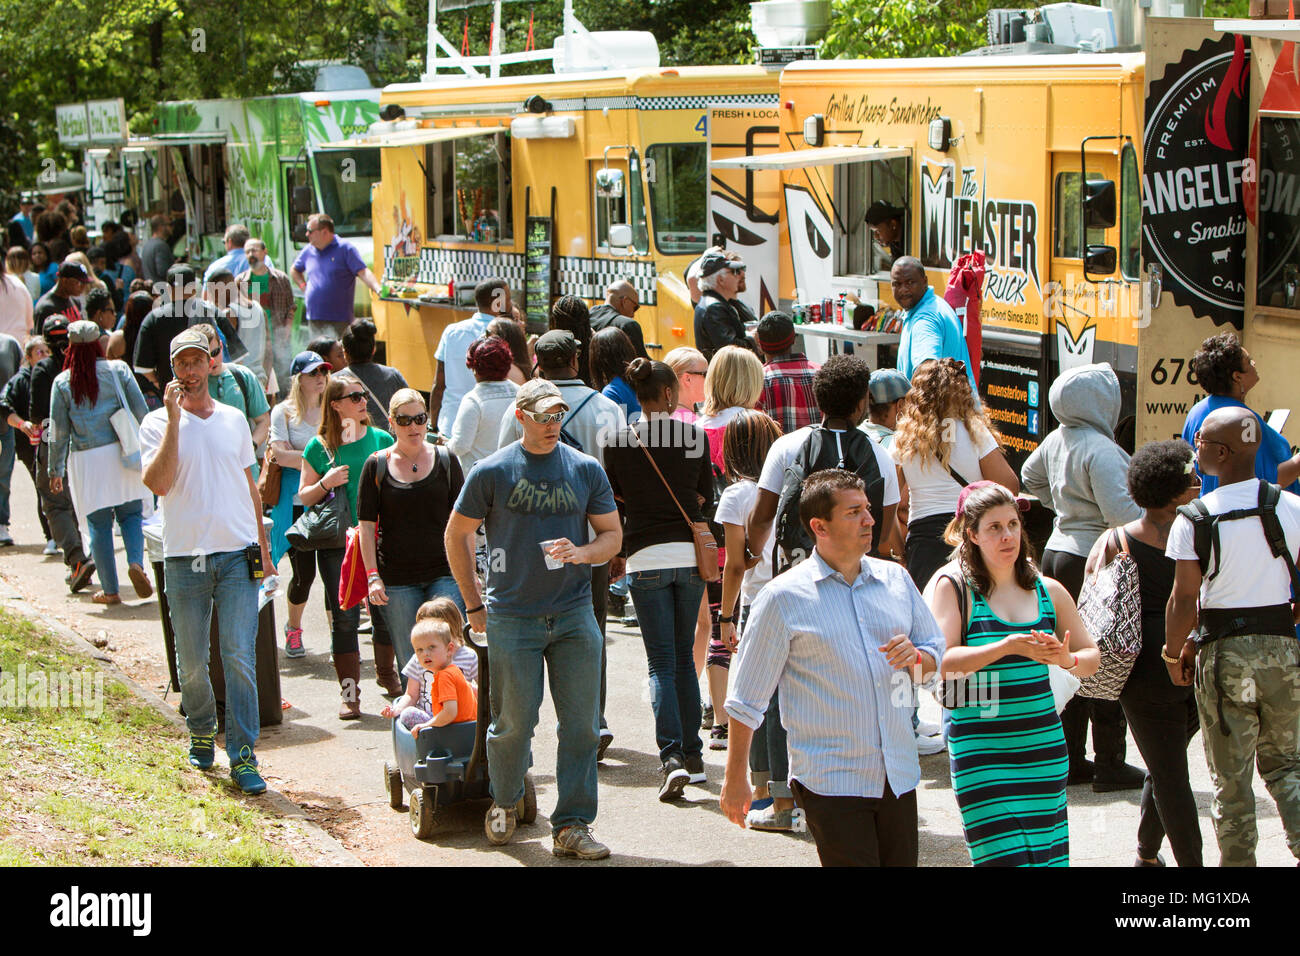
(1111, 608)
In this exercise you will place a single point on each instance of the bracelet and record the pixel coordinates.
(726, 620)
(918, 658)
(371, 574)
(1164, 656)
(1075, 664)
(473, 610)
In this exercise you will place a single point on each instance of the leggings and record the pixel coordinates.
(718, 654)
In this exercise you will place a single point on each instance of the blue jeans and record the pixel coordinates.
(194, 587)
(567, 646)
(100, 525)
(667, 605)
(6, 470)
(404, 601)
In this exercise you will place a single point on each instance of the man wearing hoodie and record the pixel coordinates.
(1080, 473)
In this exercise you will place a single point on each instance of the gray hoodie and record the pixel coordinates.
(1078, 471)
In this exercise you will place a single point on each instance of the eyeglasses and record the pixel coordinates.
(546, 418)
(1198, 441)
(357, 397)
(403, 421)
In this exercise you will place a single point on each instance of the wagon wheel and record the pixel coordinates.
(527, 809)
(423, 822)
(393, 785)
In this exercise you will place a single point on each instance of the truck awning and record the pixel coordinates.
(1271, 29)
(191, 139)
(822, 156)
(414, 137)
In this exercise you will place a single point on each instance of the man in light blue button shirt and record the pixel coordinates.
(844, 635)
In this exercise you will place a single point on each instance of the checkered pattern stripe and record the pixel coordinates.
(704, 102)
(575, 275)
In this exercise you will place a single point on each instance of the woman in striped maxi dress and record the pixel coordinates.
(1009, 762)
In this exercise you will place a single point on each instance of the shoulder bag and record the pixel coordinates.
(125, 427)
(706, 546)
(324, 525)
(1110, 606)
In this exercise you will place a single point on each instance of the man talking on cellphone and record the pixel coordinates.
(197, 457)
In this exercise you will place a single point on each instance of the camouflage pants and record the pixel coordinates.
(1258, 692)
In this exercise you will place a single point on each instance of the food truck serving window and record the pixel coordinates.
(881, 187)
(677, 174)
(1279, 213)
(469, 188)
(1068, 211)
(345, 177)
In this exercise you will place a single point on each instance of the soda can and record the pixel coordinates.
(815, 312)
(797, 313)
(828, 309)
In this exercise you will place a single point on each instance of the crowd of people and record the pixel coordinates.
(805, 550)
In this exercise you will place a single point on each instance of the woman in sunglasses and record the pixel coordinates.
(294, 423)
(332, 461)
(406, 495)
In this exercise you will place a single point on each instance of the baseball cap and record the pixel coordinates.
(712, 262)
(188, 339)
(55, 325)
(83, 331)
(306, 362)
(888, 385)
(881, 211)
(775, 332)
(539, 395)
(556, 346)
(73, 270)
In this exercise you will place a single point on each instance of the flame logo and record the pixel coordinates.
(1234, 84)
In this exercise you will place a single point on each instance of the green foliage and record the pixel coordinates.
(872, 29)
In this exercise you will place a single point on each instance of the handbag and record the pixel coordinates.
(268, 484)
(353, 586)
(323, 526)
(125, 427)
(706, 546)
(1110, 606)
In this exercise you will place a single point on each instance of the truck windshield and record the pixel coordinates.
(344, 177)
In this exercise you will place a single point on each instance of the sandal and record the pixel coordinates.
(99, 597)
(140, 581)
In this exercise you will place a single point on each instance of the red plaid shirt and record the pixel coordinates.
(788, 391)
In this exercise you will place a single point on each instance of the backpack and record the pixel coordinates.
(853, 452)
(565, 436)
(1205, 531)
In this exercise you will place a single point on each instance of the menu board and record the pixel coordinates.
(539, 273)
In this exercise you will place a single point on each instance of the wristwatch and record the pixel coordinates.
(1164, 656)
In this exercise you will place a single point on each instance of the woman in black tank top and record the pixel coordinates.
(1161, 715)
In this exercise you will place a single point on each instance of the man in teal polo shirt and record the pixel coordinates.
(328, 269)
(931, 329)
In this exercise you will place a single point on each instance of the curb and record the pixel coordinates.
(334, 851)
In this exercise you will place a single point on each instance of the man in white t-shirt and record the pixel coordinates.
(1243, 657)
(197, 456)
(842, 387)
(453, 380)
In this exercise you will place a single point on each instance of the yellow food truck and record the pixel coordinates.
(562, 183)
(986, 153)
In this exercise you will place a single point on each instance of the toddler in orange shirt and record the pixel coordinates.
(440, 694)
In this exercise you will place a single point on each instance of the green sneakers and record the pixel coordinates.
(202, 750)
(244, 773)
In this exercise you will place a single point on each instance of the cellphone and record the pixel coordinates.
(253, 554)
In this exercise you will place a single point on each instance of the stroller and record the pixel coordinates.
(448, 764)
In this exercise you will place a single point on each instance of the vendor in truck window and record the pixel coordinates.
(886, 222)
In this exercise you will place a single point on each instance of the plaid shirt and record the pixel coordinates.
(788, 391)
(281, 307)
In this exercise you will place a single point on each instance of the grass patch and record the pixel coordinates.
(106, 781)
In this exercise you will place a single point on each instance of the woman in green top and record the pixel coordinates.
(333, 459)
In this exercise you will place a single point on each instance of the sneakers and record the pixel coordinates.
(51, 548)
(82, 572)
(718, 737)
(293, 642)
(6, 539)
(925, 746)
(202, 750)
(606, 738)
(139, 581)
(695, 767)
(1119, 776)
(706, 717)
(499, 824)
(577, 841)
(674, 776)
(771, 819)
(244, 773)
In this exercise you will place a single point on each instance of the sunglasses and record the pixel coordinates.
(357, 397)
(317, 372)
(692, 371)
(546, 418)
(402, 421)
(214, 352)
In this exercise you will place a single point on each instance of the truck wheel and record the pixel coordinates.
(527, 810)
(393, 785)
(422, 821)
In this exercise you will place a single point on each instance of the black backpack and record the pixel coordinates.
(853, 452)
(1205, 531)
(565, 437)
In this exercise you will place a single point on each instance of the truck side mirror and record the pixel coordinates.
(1099, 260)
(1099, 204)
(620, 236)
(302, 201)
